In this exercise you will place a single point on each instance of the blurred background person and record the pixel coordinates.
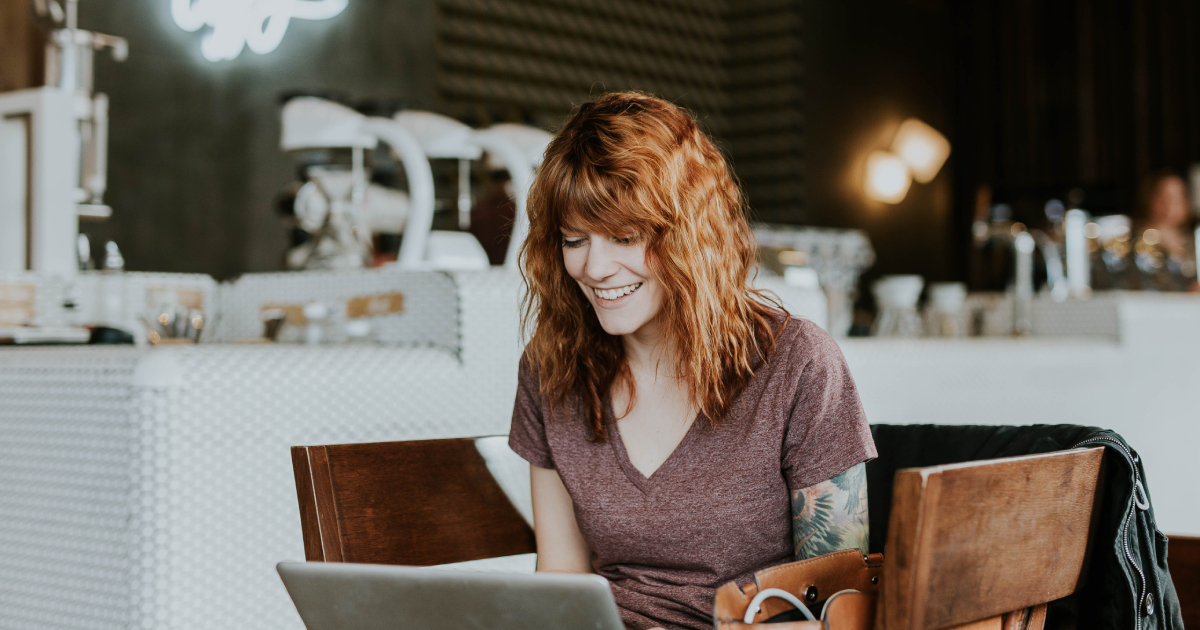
(1165, 250)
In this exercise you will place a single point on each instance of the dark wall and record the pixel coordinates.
(195, 165)
(868, 66)
(1076, 94)
(1075, 100)
(194, 161)
(736, 65)
(1040, 97)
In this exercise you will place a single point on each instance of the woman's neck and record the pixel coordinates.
(646, 347)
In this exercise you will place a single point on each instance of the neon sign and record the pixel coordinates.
(237, 24)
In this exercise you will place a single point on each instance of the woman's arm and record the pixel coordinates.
(560, 546)
(831, 516)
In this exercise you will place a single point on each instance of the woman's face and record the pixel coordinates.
(1169, 205)
(612, 273)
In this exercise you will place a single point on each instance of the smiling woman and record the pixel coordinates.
(682, 430)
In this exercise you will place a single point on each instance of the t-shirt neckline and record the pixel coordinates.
(640, 481)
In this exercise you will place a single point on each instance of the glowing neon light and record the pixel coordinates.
(236, 24)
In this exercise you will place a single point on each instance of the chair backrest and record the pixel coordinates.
(975, 540)
(415, 503)
(1184, 565)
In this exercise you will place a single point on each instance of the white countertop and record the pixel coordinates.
(1143, 383)
(163, 472)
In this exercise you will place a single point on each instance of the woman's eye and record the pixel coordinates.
(572, 242)
(624, 241)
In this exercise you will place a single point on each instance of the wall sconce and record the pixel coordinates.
(888, 178)
(259, 24)
(918, 152)
(922, 147)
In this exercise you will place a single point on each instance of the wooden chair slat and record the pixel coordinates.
(971, 541)
(416, 503)
(1183, 560)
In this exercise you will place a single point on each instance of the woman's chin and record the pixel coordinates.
(617, 329)
(617, 326)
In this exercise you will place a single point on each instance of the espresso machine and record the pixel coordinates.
(341, 208)
(53, 149)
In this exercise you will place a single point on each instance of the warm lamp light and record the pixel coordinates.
(922, 148)
(888, 178)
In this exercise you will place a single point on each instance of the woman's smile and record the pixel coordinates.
(615, 297)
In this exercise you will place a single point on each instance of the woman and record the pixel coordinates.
(1165, 250)
(681, 432)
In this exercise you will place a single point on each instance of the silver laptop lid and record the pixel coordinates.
(342, 596)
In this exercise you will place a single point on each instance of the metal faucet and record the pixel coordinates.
(1023, 243)
(1056, 276)
(69, 66)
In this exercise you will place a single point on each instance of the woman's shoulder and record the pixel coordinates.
(800, 340)
(529, 384)
(527, 371)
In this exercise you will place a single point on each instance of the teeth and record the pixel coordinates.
(612, 294)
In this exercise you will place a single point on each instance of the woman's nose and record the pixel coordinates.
(601, 259)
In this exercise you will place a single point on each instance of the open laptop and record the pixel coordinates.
(342, 596)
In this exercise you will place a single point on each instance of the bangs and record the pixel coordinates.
(586, 200)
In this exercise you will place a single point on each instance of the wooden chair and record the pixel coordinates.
(970, 542)
(416, 503)
(966, 544)
(1184, 564)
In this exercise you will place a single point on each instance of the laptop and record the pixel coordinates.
(343, 596)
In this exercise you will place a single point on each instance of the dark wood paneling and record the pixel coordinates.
(1052, 96)
(21, 46)
(1183, 558)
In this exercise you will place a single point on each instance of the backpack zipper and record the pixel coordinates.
(1137, 603)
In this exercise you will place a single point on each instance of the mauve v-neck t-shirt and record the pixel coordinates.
(718, 509)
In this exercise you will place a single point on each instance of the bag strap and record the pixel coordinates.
(815, 579)
(756, 603)
(821, 577)
(849, 610)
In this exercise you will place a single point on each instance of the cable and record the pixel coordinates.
(829, 601)
(781, 594)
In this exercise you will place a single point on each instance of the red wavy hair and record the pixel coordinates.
(633, 165)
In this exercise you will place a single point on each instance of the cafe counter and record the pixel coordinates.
(152, 487)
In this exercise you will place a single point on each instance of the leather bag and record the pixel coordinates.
(846, 581)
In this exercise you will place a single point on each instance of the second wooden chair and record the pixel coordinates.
(417, 503)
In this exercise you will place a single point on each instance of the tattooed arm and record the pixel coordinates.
(831, 515)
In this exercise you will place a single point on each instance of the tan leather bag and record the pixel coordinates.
(848, 584)
(825, 578)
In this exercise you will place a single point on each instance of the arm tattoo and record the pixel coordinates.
(831, 515)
